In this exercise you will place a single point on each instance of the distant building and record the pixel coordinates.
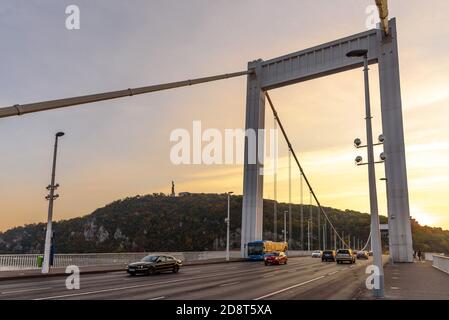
(183, 194)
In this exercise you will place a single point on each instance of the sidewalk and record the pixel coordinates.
(55, 272)
(414, 281)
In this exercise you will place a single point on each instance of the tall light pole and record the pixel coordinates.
(285, 226)
(335, 240)
(51, 197)
(375, 230)
(308, 235)
(302, 213)
(228, 223)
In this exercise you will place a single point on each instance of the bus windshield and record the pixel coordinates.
(255, 249)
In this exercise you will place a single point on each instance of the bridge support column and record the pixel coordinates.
(401, 244)
(252, 208)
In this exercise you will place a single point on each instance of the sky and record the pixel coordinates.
(121, 148)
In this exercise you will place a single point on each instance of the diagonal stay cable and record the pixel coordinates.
(300, 167)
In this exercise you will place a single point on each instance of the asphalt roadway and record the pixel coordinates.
(301, 279)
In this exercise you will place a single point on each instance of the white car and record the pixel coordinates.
(317, 254)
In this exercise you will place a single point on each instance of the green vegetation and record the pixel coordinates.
(193, 222)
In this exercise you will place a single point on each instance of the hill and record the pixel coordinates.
(193, 222)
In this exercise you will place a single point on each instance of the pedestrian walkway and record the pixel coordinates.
(413, 281)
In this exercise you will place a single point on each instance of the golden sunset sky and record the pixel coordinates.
(121, 148)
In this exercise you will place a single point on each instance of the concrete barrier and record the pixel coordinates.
(299, 253)
(441, 262)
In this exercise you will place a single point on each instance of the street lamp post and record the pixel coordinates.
(308, 235)
(228, 222)
(285, 226)
(51, 197)
(375, 236)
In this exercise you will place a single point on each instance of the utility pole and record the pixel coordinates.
(51, 197)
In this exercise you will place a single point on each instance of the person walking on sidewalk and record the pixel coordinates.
(419, 255)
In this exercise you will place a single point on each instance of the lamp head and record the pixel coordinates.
(357, 53)
(60, 134)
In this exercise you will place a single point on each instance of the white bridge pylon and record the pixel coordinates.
(321, 61)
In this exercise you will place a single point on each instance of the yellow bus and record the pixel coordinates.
(258, 249)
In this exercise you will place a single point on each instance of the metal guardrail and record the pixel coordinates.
(11, 262)
(441, 263)
(18, 262)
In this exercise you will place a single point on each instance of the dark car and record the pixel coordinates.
(154, 264)
(275, 258)
(328, 255)
(362, 255)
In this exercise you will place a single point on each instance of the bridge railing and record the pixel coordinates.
(10, 262)
(441, 263)
(18, 261)
(29, 261)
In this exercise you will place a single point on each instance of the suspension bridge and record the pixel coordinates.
(379, 46)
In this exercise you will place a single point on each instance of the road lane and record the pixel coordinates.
(239, 280)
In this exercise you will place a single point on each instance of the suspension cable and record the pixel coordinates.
(18, 110)
(290, 147)
(367, 242)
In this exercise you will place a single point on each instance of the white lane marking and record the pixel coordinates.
(229, 284)
(25, 290)
(269, 275)
(289, 288)
(332, 273)
(144, 285)
(124, 288)
(394, 288)
(157, 298)
(138, 286)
